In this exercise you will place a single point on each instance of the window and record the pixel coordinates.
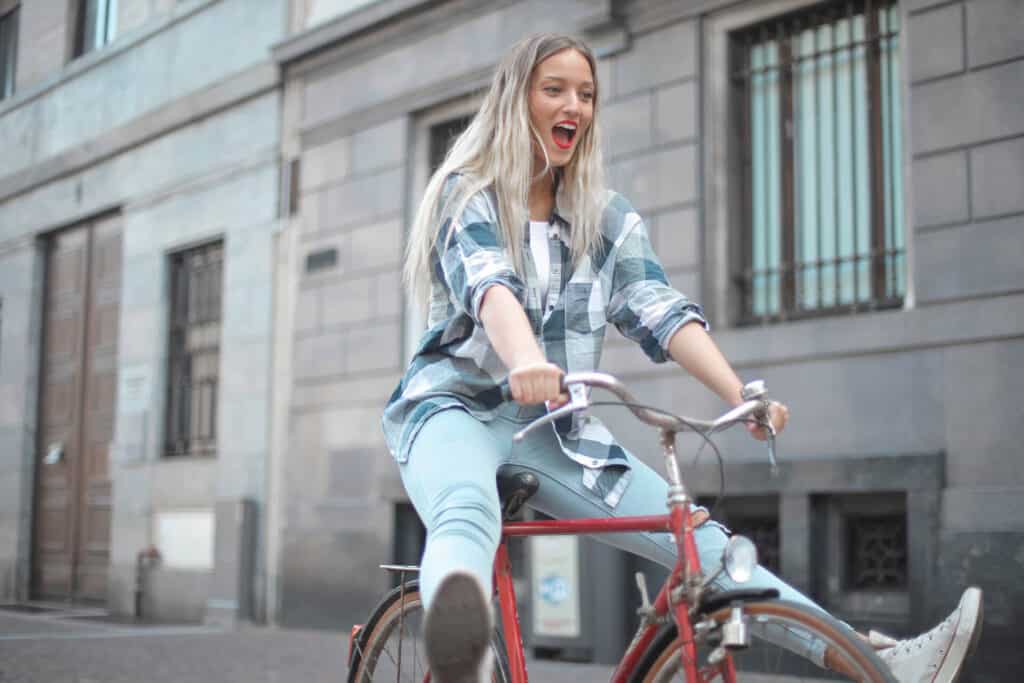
(862, 555)
(193, 373)
(97, 25)
(435, 132)
(757, 518)
(818, 108)
(8, 50)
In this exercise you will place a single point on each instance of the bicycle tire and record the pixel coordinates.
(404, 607)
(763, 660)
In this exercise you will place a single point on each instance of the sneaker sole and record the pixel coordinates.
(962, 646)
(457, 630)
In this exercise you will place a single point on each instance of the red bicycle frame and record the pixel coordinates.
(687, 570)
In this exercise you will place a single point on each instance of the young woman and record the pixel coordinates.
(524, 257)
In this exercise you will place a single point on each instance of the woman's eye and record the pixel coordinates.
(587, 96)
(552, 89)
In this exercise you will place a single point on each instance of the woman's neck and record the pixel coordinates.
(542, 198)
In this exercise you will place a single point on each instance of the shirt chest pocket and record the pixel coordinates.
(585, 307)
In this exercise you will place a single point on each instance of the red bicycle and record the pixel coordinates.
(691, 632)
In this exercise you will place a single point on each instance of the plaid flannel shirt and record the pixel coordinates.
(455, 365)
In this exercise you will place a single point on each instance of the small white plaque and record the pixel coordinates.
(135, 389)
(185, 539)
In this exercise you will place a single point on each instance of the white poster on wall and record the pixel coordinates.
(554, 568)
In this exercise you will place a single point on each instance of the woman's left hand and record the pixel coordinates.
(778, 414)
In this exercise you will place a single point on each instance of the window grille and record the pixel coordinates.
(193, 377)
(876, 552)
(820, 118)
(8, 52)
(97, 25)
(757, 518)
(442, 136)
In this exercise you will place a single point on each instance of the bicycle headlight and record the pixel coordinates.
(740, 558)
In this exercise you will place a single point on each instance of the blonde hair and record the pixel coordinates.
(496, 151)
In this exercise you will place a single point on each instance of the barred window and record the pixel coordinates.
(8, 51)
(193, 376)
(97, 25)
(876, 552)
(820, 117)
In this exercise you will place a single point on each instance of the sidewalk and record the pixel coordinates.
(81, 646)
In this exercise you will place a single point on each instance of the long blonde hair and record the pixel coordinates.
(496, 151)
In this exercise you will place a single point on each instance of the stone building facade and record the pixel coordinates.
(296, 138)
(135, 136)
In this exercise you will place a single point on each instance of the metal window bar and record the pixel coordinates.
(819, 101)
(8, 51)
(876, 552)
(193, 377)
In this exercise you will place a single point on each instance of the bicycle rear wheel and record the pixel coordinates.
(390, 646)
(763, 661)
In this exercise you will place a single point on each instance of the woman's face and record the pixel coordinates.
(561, 104)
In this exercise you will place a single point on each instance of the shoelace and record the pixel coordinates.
(906, 646)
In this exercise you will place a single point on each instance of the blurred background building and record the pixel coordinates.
(203, 206)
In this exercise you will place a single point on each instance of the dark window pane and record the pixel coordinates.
(442, 136)
(876, 552)
(193, 375)
(8, 52)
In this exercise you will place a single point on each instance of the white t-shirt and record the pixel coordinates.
(541, 257)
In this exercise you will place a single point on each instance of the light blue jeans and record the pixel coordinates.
(450, 479)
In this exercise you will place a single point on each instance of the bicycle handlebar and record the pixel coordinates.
(753, 394)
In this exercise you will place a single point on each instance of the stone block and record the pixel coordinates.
(181, 483)
(377, 347)
(992, 561)
(677, 239)
(658, 179)
(980, 415)
(936, 42)
(662, 56)
(320, 356)
(331, 579)
(676, 112)
(145, 277)
(605, 79)
(247, 311)
(349, 301)
(997, 177)
(139, 328)
(983, 508)
(362, 200)
(390, 294)
(970, 260)
(976, 107)
(627, 125)
(249, 255)
(307, 310)
(382, 146)
(325, 164)
(918, 5)
(994, 31)
(245, 370)
(940, 189)
(375, 246)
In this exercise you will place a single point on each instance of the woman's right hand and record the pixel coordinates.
(536, 383)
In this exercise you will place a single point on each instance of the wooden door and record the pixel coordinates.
(77, 406)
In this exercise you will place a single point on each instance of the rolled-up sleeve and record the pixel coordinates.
(642, 304)
(472, 258)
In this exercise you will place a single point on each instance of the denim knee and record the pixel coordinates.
(466, 509)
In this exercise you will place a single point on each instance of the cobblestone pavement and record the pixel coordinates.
(80, 646)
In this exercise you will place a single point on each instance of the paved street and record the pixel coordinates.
(80, 646)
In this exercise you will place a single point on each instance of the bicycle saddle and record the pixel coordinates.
(514, 488)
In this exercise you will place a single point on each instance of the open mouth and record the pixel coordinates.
(564, 133)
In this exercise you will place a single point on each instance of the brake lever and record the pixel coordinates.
(578, 400)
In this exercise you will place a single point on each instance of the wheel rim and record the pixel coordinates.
(763, 662)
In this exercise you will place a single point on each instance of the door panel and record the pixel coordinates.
(77, 407)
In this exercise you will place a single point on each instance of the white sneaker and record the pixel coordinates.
(938, 655)
(457, 631)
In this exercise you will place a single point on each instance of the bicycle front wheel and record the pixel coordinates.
(765, 661)
(390, 646)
